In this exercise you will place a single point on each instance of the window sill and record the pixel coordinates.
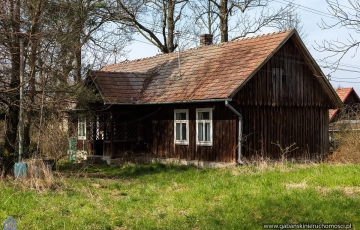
(204, 144)
(181, 143)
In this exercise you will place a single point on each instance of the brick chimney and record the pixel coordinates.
(206, 39)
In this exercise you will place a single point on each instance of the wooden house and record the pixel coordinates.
(219, 103)
(349, 115)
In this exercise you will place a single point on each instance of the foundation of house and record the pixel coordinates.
(148, 159)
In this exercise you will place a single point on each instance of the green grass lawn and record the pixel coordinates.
(158, 196)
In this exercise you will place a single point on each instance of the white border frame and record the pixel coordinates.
(182, 142)
(81, 121)
(204, 143)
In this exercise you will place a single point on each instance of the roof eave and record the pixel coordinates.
(170, 102)
(318, 73)
(93, 78)
(311, 62)
(333, 115)
(351, 91)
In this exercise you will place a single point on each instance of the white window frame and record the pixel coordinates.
(81, 123)
(181, 142)
(204, 143)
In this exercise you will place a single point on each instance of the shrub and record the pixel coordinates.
(345, 137)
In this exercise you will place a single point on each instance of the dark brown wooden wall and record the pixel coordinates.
(267, 129)
(296, 87)
(351, 99)
(286, 109)
(158, 133)
(224, 134)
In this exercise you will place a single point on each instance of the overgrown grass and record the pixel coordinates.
(158, 196)
(347, 147)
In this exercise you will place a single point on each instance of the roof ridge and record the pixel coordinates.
(262, 35)
(197, 48)
(136, 60)
(117, 72)
(344, 88)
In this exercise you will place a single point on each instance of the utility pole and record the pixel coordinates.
(21, 113)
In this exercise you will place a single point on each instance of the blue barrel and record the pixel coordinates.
(20, 169)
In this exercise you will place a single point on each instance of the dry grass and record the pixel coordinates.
(348, 148)
(348, 191)
(345, 142)
(39, 176)
(301, 185)
(262, 164)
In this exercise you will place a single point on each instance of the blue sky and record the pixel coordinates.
(311, 12)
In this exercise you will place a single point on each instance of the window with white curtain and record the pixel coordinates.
(181, 126)
(204, 130)
(82, 129)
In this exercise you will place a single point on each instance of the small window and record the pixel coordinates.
(82, 129)
(204, 130)
(181, 126)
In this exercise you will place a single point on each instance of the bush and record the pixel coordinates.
(345, 137)
(346, 144)
(39, 176)
(54, 139)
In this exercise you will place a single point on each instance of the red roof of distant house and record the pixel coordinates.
(343, 94)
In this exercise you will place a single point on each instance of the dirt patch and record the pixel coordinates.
(301, 185)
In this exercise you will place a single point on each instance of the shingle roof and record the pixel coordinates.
(214, 72)
(343, 94)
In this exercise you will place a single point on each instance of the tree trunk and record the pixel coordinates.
(171, 26)
(34, 43)
(32, 102)
(77, 63)
(12, 118)
(224, 20)
(209, 17)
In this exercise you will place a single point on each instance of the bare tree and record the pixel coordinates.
(206, 18)
(344, 17)
(291, 20)
(10, 30)
(205, 15)
(146, 16)
(244, 23)
(54, 35)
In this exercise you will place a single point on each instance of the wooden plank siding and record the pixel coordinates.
(296, 87)
(265, 127)
(284, 108)
(224, 134)
(157, 133)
